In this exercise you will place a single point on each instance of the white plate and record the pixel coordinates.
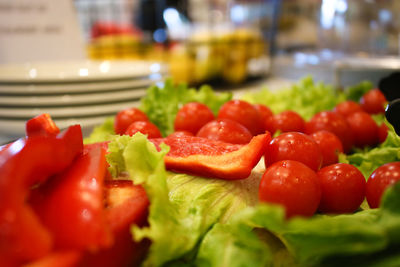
(55, 89)
(66, 112)
(72, 99)
(13, 129)
(78, 71)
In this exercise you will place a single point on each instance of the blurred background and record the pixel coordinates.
(131, 44)
(233, 41)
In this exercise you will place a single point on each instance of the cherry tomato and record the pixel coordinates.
(294, 146)
(287, 121)
(145, 127)
(329, 145)
(192, 116)
(382, 132)
(266, 115)
(343, 188)
(383, 177)
(364, 128)
(332, 122)
(227, 131)
(373, 102)
(293, 185)
(126, 117)
(180, 133)
(243, 113)
(347, 107)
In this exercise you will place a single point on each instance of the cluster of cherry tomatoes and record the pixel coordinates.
(302, 170)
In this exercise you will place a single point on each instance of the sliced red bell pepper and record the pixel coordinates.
(41, 125)
(58, 258)
(24, 163)
(211, 158)
(127, 204)
(71, 206)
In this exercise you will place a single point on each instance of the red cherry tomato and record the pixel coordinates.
(383, 177)
(343, 188)
(243, 113)
(192, 116)
(266, 115)
(227, 131)
(293, 185)
(287, 121)
(329, 145)
(126, 117)
(332, 122)
(382, 132)
(294, 146)
(145, 127)
(364, 128)
(373, 102)
(347, 107)
(180, 133)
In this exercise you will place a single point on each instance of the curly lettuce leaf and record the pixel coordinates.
(183, 207)
(306, 97)
(101, 132)
(349, 239)
(161, 104)
(369, 159)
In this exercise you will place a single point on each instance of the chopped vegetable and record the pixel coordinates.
(215, 159)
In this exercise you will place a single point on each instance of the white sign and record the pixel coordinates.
(39, 30)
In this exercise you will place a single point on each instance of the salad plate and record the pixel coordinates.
(67, 112)
(78, 71)
(77, 88)
(63, 100)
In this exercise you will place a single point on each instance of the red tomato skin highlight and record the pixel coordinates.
(364, 128)
(243, 113)
(294, 146)
(226, 131)
(383, 177)
(126, 117)
(347, 107)
(192, 116)
(287, 121)
(293, 185)
(332, 122)
(330, 146)
(144, 127)
(343, 188)
(373, 102)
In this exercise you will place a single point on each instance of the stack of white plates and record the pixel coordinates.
(71, 92)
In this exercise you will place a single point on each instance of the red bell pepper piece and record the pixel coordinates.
(127, 204)
(201, 156)
(41, 125)
(25, 163)
(71, 206)
(58, 258)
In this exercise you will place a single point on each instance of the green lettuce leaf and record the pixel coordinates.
(183, 207)
(369, 159)
(102, 132)
(355, 92)
(366, 237)
(162, 103)
(306, 97)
